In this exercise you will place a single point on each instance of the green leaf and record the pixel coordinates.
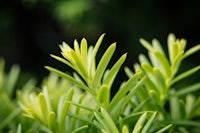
(185, 74)
(63, 61)
(81, 69)
(187, 90)
(19, 128)
(76, 48)
(80, 129)
(52, 123)
(103, 64)
(113, 71)
(170, 41)
(82, 119)
(101, 122)
(109, 122)
(160, 81)
(142, 105)
(186, 123)
(140, 123)
(174, 108)
(96, 48)
(125, 129)
(69, 78)
(12, 79)
(82, 106)
(155, 97)
(84, 53)
(10, 117)
(192, 50)
(132, 92)
(175, 51)
(151, 86)
(143, 59)
(164, 129)
(182, 109)
(104, 95)
(163, 62)
(149, 123)
(148, 69)
(157, 46)
(123, 90)
(65, 109)
(176, 63)
(128, 72)
(190, 100)
(146, 44)
(43, 106)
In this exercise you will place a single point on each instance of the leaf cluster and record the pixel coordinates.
(147, 102)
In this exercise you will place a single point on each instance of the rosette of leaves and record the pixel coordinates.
(111, 115)
(162, 74)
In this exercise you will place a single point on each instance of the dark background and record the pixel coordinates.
(30, 30)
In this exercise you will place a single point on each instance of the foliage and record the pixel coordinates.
(10, 112)
(160, 88)
(82, 102)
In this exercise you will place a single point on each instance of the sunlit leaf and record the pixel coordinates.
(103, 64)
(71, 79)
(113, 71)
(84, 53)
(104, 95)
(96, 48)
(52, 122)
(170, 41)
(163, 62)
(156, 45)
(123, 90)
(146, 44)
(185, 74)
(192, 50)
(109, 121)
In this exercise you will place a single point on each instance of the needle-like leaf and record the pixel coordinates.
(103, 64)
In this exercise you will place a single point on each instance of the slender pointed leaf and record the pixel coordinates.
(63, 61)
(170, 41)
(69, 78)
(80, 129)
(185, 74)
(164, 129)
(156, 45)
(143, 59)
(104, 95)
(192, 50)
(140, 123)
(164, 63)
(187, 90)
(65, 109)
(96, 48)
(84, 53)
(113, 71)
(103, 64)
(109, 121)
(149, 123)
(123, 90)
(52, 123)
(146, 44)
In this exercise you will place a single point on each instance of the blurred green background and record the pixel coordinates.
(30, 30)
